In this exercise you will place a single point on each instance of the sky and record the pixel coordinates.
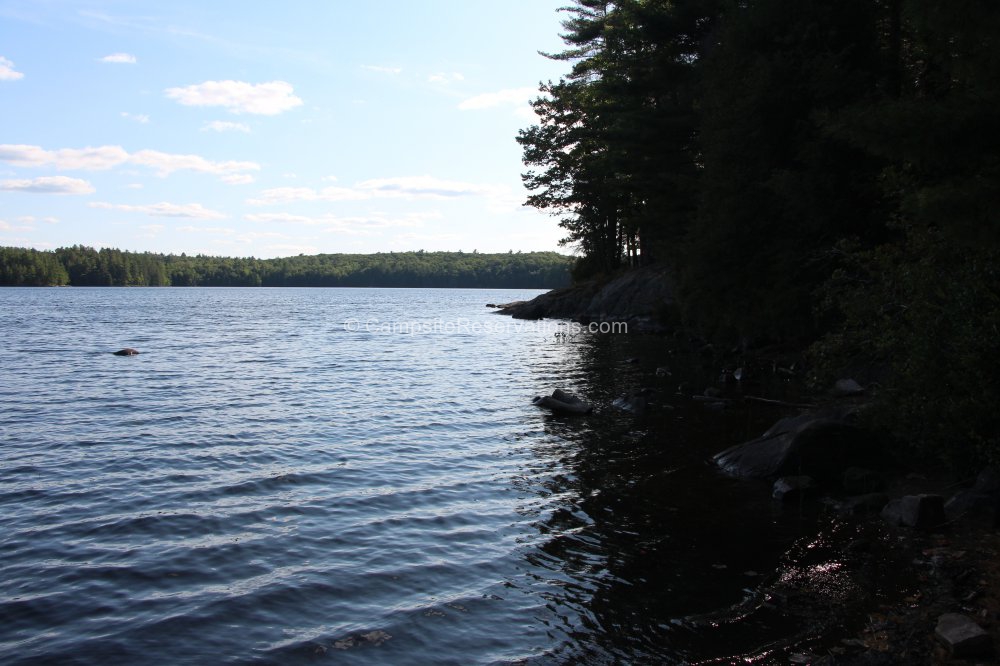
(272, 129)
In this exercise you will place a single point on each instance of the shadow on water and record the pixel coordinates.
(654, 555)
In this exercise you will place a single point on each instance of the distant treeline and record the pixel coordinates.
(84, 266)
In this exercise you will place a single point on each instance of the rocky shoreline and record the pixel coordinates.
(935, 541)
(640, 298)
(904, 568)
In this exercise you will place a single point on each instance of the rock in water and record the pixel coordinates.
(128, 351)
(563, 402)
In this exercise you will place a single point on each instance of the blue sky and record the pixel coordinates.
(271, 129)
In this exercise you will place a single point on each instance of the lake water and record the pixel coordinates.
(354, 476)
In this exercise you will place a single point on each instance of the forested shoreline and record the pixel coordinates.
(817, 174)
(85, 266)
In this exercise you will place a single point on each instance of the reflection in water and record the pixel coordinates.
(647, 552)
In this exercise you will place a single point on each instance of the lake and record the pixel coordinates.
(356, 476)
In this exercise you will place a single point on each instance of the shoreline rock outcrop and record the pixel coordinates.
(638, 298)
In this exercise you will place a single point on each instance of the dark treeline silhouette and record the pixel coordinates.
(814, 171)
(85, 266)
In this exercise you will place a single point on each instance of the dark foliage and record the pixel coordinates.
(782, 154)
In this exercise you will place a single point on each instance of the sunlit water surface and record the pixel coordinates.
(265, 484)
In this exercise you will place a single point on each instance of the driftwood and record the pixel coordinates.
(780, 403)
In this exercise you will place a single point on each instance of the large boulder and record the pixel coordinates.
(819, 443)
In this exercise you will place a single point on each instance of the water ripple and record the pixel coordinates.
(261, 486)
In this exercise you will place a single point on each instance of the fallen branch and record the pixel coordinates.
(780, 403)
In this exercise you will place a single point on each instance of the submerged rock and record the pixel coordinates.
(563, 402)
(128, 351)
(636, 402)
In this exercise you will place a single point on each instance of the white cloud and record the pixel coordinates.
(135, 186)
(120, 58)
(140, 118)
(444, 78)
(225, 126)
(265, 99)
(404, 187)
(510, 96)
(87, 159)
(7, 72)
(164, 209)
(207, 230)
(285, 194)
(106, 157)
(280, 217)
(358, 224)
(382, 69)
(238, 179)
(167, 163)
(48, 185)
(423, 187)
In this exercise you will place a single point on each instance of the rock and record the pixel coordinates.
(983, 496)
(663, 371)
(793, 488)
(491, 305)
(920, 511)
(637, 298)
(860, 480)
(843, 388)
(712, 392)
(634, 401)
(820, 443)
(128, 351)
(563, 402)
(963, 637)
(923, 511)
(376, 637)
(632, 361)
(892, 513)
(862, 504)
